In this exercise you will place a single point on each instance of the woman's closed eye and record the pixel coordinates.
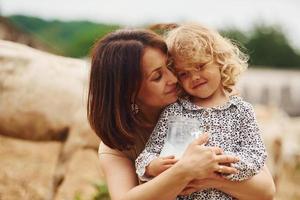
(156, 76)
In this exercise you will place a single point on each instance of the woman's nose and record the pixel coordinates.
(171, 78)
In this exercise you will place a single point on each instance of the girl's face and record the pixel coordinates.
(200, 81)
(159, 85)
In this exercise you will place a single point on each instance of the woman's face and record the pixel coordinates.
(159, 85)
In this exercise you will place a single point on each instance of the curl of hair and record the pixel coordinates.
(197, 44)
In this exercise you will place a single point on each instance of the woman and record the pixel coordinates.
(130, 84)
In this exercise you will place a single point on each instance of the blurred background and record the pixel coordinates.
(47, 149)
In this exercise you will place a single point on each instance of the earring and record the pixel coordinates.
(134, 108)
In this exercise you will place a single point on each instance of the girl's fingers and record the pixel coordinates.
(226, 159)
(188, 191)
(218, 176)
(197, 181)
(168, 157)
(170, 162)
(191, 184)
(165, 167)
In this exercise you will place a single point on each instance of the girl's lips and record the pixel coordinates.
(199, 84)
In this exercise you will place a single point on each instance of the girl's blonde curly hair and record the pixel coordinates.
(195, 44)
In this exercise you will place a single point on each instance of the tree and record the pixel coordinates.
(269, 46)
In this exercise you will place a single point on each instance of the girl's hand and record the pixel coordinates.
(159, 165)
(201, 162)
(196, 186)
(188, 190)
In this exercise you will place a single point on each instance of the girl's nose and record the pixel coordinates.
(195, 76)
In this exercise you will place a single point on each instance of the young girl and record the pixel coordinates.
(207, 66)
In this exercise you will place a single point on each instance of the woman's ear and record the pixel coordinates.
(133, 103)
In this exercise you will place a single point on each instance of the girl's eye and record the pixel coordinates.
(202, 65)
(199, 67)
(182, 75)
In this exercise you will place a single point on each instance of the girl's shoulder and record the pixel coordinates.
(176, 106)
(240, 102)
(172, 110)
(242, 105)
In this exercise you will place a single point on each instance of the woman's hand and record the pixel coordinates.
(160, 165)
(202, 162)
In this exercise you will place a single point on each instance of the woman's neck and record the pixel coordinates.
(149, 114)
(218, 98)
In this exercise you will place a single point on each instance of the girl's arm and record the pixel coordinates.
(249, 148)
(153, 148)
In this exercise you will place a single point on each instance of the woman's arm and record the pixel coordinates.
(122, 181)
(197, 161)
(260, 186)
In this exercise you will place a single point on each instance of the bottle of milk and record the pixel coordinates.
(181, 132)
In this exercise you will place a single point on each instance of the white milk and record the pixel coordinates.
(181, 132)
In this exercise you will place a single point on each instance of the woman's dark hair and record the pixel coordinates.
(115, 79)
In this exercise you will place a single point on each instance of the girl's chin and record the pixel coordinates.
(203, 95)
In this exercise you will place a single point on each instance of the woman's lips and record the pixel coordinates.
(172, 90)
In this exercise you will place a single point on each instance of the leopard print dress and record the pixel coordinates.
(233, 127)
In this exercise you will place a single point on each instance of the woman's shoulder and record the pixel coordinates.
(114, 164)
(106, 150)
